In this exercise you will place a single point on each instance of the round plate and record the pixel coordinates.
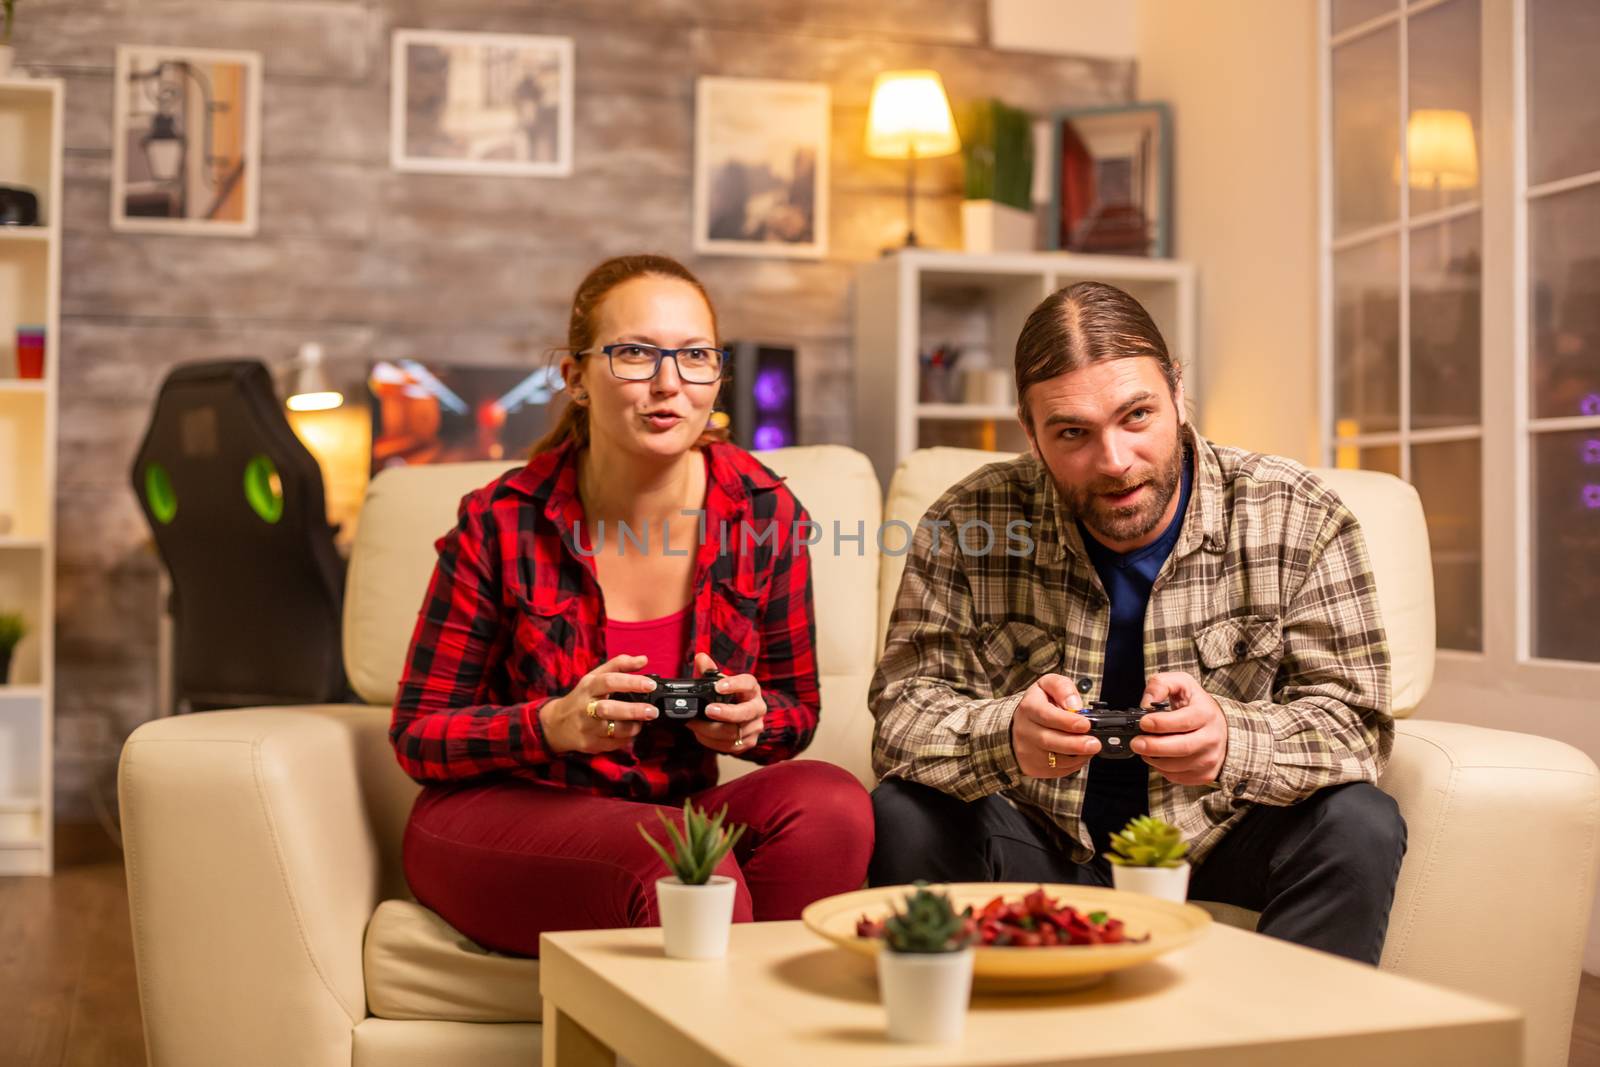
(1026, 969)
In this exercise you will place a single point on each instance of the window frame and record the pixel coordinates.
(1505, 666)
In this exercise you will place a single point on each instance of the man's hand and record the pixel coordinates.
(1193, 737)
(1046, 726)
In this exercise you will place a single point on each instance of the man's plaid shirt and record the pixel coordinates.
(1267, 599)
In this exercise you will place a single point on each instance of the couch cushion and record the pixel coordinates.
(1388, 509)
(844, 737)
(836, 485)
(418, 967)
(1230, 914)
(1390, 513)
(920, 480)
(408, 508)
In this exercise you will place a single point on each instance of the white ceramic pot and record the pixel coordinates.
(695, 918)
(925, 993)
(990, 226)
(1168, 883)
(6, 55)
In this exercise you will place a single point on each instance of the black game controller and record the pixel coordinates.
(1115, 729)
(677, 699)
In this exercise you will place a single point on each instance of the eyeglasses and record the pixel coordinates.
(634, 361)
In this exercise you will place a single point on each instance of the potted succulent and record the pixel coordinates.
(12, 630)
(696, 905)
(997, 150)
(925, 968)
(1147, 857)
(8, 14)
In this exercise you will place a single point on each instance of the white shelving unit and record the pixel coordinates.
(910, 302)
(30, 295)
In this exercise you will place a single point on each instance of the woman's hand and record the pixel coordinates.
(572, 724)
(738, 721)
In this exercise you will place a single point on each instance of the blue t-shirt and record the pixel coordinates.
(1118, 789)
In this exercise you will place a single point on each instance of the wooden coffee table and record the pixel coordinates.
(785, 997)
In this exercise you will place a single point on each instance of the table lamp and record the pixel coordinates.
(910, 118)
(311, 389)
(1441, 150)
(1442, 154)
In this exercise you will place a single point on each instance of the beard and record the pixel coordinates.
(1120, 525)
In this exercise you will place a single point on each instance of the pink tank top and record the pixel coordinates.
(663, 640)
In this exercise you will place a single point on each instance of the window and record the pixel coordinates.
(1462, 141)
(1404, 256)
(1558, 413)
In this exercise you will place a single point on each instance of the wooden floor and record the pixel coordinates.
(1586, 1025)
(68, 996)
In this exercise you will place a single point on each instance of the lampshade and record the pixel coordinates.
(310, 389)
(1441, 149)
(910, 115)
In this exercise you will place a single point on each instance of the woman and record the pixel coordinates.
(563, 583)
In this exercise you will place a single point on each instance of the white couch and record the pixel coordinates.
(272, 923)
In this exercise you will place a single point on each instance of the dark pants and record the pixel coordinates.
(1321, 872)
(506, 860)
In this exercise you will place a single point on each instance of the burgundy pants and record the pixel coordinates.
(507, 860)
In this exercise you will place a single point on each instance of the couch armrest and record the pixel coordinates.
(1495, 893)
(252, 871)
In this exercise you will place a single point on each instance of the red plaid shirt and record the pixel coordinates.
(514, 616)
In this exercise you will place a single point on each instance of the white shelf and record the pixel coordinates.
(916, 301)
(30, 294)
(27, 83)
(20, 827)
(26, 234)
(966, 411)
(1071, 264)
(26, 843)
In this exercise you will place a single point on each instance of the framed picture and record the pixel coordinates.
(186, 141)
(761, 167)
(481, 103)
(1111, 189)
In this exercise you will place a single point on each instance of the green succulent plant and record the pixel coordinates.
(930, 923)
(997, 150)
(699, 846)
(1147, 842)
(12, 630)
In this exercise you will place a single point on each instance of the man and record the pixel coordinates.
(1163, 567)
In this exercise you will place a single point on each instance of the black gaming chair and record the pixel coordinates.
(236, 505)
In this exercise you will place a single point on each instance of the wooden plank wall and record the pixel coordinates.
(376, 263)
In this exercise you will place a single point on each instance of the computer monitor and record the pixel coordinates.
(424, 412)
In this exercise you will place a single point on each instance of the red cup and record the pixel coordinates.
(30, 352)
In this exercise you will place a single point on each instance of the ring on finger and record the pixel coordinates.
(591, 708)
(738, 742)
(1052, 756)
(611, 728)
